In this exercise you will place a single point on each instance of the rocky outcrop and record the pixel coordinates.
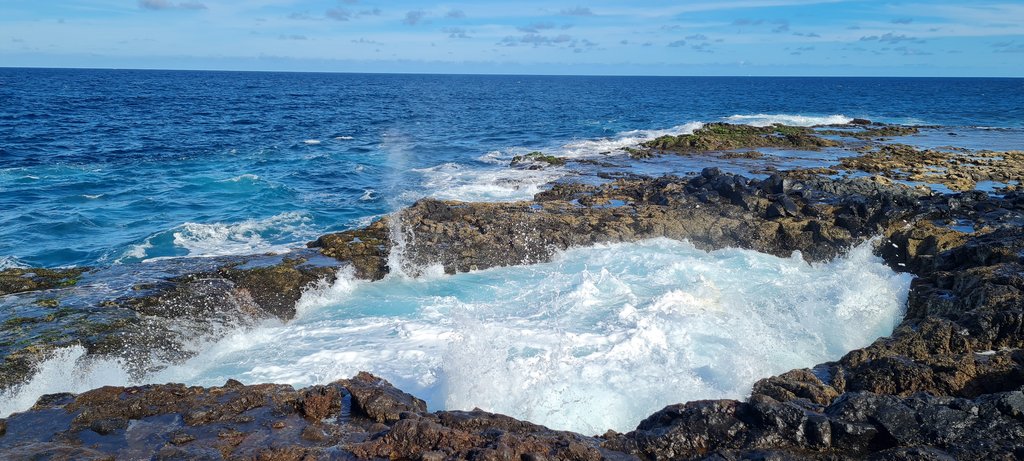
(724, 136)
(713, 210)
(960, 171)
(857, 425)
(537, 159)
(153, 321)
(366, 249)
(361, 418)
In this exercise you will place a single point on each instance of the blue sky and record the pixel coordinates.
(725, 37)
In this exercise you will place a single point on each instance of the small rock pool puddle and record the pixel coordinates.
(597, 339)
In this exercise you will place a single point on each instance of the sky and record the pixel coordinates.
(589, 37)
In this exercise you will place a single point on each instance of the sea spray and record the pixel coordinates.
(400, 238)
(789, 119)
(596, 339)
(67, 369)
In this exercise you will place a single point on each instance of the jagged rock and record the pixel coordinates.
(537, 159)
(367, 249)
(379, 400)
(802, 384)
(466, 236)
(274, 422)
(955, 170)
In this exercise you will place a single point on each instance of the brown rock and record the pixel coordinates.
(378, 399)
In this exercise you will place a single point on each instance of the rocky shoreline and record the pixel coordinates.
(947, 384)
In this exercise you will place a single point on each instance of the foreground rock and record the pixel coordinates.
(364, 417)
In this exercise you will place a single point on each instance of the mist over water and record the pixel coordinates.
(597, 339)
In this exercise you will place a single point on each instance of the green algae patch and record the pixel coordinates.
(538, 157)
(47, 302)
(19, 280)
(724, 136)
(873, 132)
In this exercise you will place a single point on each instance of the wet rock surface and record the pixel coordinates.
(17, 280)
(713, 210)
(107, 313)
(340, 420)
(960, 171)
(947, 384)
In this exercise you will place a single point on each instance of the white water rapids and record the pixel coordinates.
(599, 338)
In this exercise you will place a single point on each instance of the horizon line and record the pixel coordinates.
(497, 74)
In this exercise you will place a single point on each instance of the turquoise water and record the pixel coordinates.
(599, 338)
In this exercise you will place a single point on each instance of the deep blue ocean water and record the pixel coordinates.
(117, 166)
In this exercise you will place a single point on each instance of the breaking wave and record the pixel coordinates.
(789, 119)
(599, 338)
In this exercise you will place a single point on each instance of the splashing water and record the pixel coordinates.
(599, 338)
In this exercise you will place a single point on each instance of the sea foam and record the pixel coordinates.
(246, 237)
(597, 339)
(632, 138)
(789, 119)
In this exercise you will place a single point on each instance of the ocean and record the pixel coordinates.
(122, 167)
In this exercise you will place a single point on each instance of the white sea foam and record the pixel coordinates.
(789, 119)
(455, 181)
(369, 195)
(240, 178)
(592, 147)
(311, 142)
(343, 138)
(246, 237)
(67, 370)
(10, 262)
(137, 251)
(92, 197)
(599, 338)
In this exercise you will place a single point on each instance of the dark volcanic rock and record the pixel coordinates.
(270, 421)
(714, 210)
(367, 249)
(145, 322)
(379, 400)
(855, 426)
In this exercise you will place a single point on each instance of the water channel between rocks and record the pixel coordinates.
(597, 339)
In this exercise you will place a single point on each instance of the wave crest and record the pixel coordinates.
(789, 119)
